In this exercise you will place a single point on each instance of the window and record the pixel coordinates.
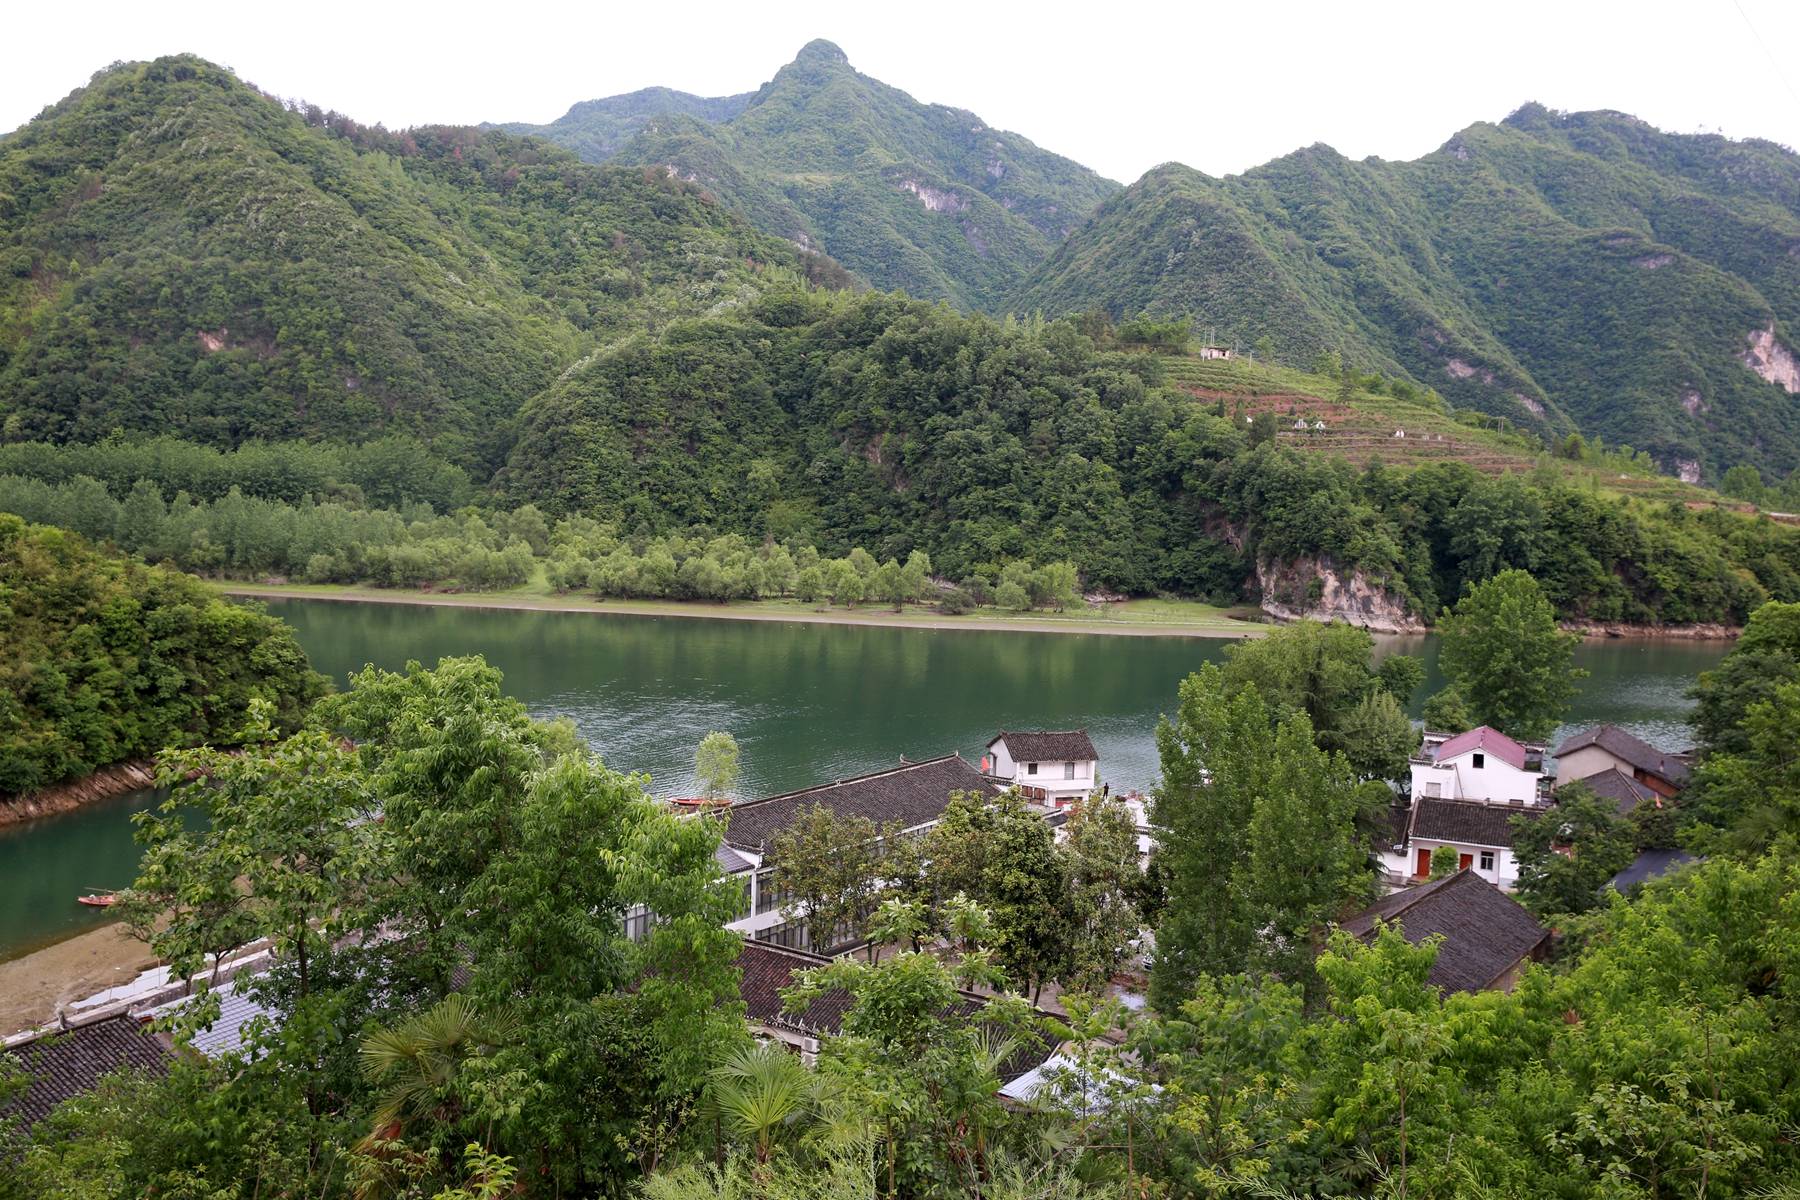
(1487, 860)
(1434, 788)
(791, 934)
(1480, 760)
(1031, 768)
(768, 896)
(1068, 770)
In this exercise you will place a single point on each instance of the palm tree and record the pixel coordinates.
(761, 1091)
(416, 1064)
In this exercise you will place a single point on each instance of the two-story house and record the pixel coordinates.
(1620, 767)
(1466, 790)
(1053, 767)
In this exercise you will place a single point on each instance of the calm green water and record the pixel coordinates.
(806, 703)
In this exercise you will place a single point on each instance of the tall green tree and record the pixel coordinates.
(1325, 671)
(514, 857)
(1507, 659)
(1105, 880)
(1258, 844)
(1002, 856)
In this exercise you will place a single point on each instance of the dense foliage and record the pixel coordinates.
(887, 423)
(107, 660)
(910, 196)
(180, 253)
(1565, 271)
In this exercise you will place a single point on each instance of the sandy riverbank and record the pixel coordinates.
(32, 988)
(1211, 624)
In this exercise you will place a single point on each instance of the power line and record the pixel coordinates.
(1769, 54)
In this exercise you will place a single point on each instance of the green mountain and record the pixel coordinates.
(1580, 271)
(598, 129)
(918, 197)
(179, 253)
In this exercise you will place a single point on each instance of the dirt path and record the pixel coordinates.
(33, 987)
(1225, 628)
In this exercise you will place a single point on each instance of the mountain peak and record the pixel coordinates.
(821, 53)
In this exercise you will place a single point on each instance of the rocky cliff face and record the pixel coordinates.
(1317, 589)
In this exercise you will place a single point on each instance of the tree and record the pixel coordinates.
(922, 1062)
(1258, 845)
(1377, 737)
(1504, 654)
(1448, 712)
(514, 858)
(1101, 847)
(716, 766)
(830, 867)
(1744, 482)
(1445, 862)
(763, 1092)
(1569, 853)
(1401, 675)
(1752, 792)
(1323, 671)
(1003, 857)
(419, 1066)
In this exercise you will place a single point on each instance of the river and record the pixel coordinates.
(806, 703)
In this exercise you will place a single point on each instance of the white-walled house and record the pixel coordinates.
(1482, 764)
(1466, 790)
(1052, 767)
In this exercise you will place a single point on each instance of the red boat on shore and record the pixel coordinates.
(97, 899)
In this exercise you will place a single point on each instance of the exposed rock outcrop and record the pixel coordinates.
(1773, 361)
(936, 199)
(1317, 589)
(115, 780)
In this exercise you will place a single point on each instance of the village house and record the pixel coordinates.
(1220, 352)
(1053, 767)
(1620, 767)
(913, 794)
(1488, 937)
(1465, 791)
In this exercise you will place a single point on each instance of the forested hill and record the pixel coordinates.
(1566, 271)
(180, 253)
(919, 197)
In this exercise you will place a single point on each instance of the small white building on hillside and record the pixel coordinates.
(1053, 767)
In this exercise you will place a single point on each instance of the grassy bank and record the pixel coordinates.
(1144, 618)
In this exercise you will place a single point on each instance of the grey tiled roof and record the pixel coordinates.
(1048, 745)
(64, 1065)
(1468, 821)
(912, 794)
(1486, 933)
(729, 860)
(1649, 865)
(1627, 748)
(1620, 788)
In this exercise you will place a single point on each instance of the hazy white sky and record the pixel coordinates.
(1120, 87)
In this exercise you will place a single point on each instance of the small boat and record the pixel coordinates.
(97, 899)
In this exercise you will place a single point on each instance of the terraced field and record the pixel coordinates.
(1372, 427)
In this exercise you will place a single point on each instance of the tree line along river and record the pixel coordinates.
(807, 703)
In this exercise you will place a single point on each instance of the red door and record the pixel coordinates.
(1424, 867)
(1464, 861)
